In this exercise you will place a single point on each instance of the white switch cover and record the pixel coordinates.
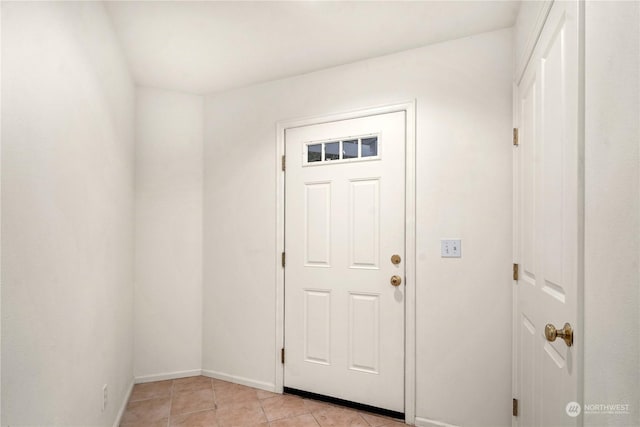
(451, 248)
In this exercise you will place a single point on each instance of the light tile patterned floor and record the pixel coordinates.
(206, 402)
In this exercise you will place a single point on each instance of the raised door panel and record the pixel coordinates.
(317, 225)
(317, 326)
(364, 332)
(364, 223)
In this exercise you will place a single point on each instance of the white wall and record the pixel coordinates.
(463, 92)
(0, 217)
(612, 210)
(168, 264)
(67, 215)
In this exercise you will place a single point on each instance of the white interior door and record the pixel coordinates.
(548, 216)
(345, 209)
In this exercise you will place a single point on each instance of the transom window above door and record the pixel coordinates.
(345, 150)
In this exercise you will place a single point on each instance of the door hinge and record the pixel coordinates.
(515, 271)
(516, 142)
(284, 163)
(515, 408)
(284, 259)
(282, 355)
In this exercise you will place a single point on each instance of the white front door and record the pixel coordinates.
(547, 222)
(345, 210)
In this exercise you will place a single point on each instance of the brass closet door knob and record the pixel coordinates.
(566, 333)
(396, 280)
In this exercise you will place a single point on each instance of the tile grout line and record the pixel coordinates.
(262, 409)
(314, 417)
(215, 402)
(199, 410)
(170, 403)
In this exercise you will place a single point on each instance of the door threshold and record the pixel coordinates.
(349, 404)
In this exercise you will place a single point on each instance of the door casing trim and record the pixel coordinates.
(409, 108)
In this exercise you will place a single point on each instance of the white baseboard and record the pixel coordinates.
(240, 380)
(167, 376)
(123, 406)
(425, 422)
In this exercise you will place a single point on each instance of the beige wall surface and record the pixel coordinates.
(168, 261)
(67, 215)
(463, 94)
(612, 213)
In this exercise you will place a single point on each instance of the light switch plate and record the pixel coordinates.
(451, 248)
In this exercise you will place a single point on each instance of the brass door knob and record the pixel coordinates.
(566, 333)
(395, 259)
(396, 280)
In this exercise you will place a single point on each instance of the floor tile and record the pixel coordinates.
(160, 423)
(241, 414)
(208, 402)
(196, 419)
(379, 421)
(192, 384)
(228, 395)
(283, 407)
(263, 394)
(219, 384)
(146, 411)
(316, 405)
(306, 420)
(151, 390)
(338, 417)
(192, 401)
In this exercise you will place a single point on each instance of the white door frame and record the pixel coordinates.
(410, 239)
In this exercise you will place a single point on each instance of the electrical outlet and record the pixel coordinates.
(105, 397)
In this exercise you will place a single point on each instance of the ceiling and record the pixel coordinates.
(209, 46)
